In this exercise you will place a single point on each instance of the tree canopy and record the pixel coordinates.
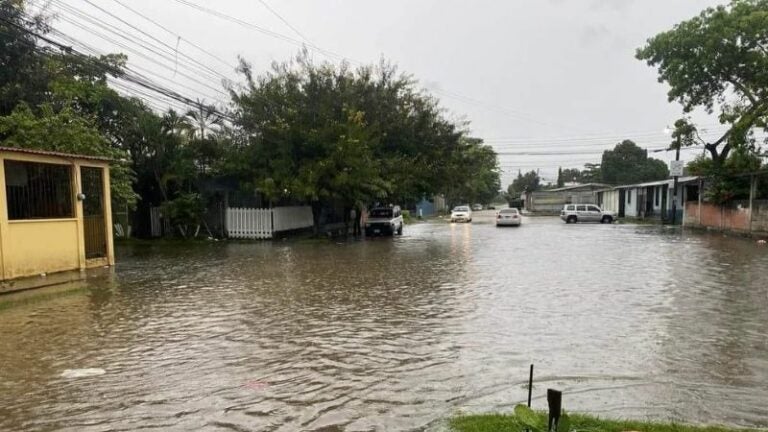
(322, 133)
(717, 61)
(627, 163)
(309, 133)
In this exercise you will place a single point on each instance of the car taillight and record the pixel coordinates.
(514, 217)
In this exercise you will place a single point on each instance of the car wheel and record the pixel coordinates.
(571, 219)
(400, 230)
(606, 219)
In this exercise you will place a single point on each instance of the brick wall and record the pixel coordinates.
(733, 217)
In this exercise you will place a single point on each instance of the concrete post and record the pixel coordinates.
(701, 194)
(752, 191)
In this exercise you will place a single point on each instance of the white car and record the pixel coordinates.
(509, 217)
(573, 213)
(461, 214)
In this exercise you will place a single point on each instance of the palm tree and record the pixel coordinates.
(177, 125)
(204, 118)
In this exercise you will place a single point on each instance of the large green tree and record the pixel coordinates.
(717, 61)
(628, 163)
(326, 134)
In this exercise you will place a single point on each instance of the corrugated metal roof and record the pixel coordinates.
(659, 182)
(578, 186)
(53, 153)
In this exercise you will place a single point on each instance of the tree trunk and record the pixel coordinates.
(317, 209)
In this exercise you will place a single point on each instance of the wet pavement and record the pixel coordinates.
(397, 334)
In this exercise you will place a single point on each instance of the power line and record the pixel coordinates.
(295, 30)
(127, 76)
(146, 34)
(162, 52)
(213, 56)
(506, 111)
(153, 60)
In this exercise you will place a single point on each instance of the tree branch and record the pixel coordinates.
(743, 89)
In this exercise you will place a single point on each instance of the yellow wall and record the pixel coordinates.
(41, 247)
(32, 247)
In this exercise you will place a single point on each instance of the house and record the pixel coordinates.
(55, 214)
(653, 199)
(552, 200)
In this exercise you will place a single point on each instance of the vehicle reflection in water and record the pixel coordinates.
(393, 334)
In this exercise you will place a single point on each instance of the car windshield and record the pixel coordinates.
(461, 209)
(509, 211)
(381, 213)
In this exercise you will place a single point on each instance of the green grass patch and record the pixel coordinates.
(578, 422)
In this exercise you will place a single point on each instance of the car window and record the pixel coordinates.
(508, 211)
(461, 209)
(381, 213)
(581, 208)
(594, 209)
(570, 208)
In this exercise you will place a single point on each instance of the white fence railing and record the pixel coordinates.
(253, 223)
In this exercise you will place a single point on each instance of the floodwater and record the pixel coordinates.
(397, 334)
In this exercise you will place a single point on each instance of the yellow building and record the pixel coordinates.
(55, 214)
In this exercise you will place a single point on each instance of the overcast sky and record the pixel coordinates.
(535, 75)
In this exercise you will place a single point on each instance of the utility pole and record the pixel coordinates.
(674, 185)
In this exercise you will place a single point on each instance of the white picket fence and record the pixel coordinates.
(254, 223)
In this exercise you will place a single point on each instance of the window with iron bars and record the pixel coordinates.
(38, 190)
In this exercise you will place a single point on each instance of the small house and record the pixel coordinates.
(55, 213)
(430, 206)
(654, 199)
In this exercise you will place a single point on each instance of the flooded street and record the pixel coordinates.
(398, 334)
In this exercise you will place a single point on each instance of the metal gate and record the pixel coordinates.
(93, 212)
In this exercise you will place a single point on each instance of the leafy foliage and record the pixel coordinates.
(725, 182)
(67, 132)
(627, 163)
(322, 133)
(717, 61)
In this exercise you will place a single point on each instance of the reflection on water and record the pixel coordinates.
(397, 334)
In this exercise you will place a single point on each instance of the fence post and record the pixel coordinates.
(752, 191)
(701, 195)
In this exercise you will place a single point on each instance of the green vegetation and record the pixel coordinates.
(718, 62)
(320, 133)
(301, 133)
(577, 422)
(625, 164)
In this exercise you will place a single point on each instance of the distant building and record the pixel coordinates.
(552, 200)
(55, 214)
(430, 206)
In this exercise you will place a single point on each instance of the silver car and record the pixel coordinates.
(508, 217)
(573, 213)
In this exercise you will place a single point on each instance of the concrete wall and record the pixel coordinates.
(611, 200)
(41, 247)
(553, 201)
(736, 217)
(35, 246)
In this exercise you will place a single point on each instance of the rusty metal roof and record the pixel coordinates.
(53, 153)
